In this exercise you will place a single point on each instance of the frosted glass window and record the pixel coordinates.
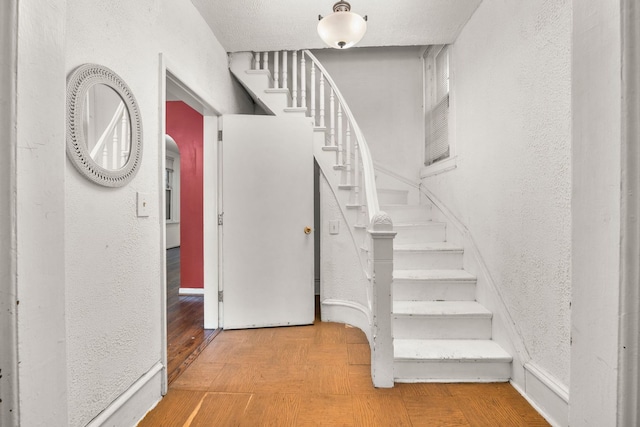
(436, 119)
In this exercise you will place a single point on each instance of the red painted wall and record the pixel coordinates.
(186, 126)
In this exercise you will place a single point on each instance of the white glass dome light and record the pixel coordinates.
(343, 28)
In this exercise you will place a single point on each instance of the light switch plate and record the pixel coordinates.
(143, 204)
(334, 226)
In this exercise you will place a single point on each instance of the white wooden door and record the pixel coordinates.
(267, 192)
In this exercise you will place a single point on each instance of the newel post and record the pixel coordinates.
(382, 235)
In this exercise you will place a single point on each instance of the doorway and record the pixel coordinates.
(188, 188)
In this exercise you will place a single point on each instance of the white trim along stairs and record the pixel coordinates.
(440, 332)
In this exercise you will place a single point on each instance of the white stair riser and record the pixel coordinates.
(400, 214)
(435, 232)
(277, 101)
(451, 371)
(441, 327)
(423, 290)
(295, 113)
(415, 260)
(393, 198)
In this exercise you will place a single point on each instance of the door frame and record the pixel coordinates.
(172, 76)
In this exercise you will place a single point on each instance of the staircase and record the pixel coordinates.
(440, 332)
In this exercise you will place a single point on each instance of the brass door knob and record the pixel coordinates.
(307, 230)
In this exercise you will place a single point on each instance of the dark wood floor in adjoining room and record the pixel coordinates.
(320, 375)
(186, 336)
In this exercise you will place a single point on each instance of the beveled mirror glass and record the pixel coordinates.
(104, 130)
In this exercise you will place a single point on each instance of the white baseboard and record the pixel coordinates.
(348, 312)
(191, 291)
(132, 405)
(545, 394)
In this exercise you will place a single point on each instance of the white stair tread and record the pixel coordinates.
(277, 90)
(441, 308)
(430, 246)
(404, 206)
(258, 72)
(392, 190)
(449, 350)
(439, 275)
(414, 224)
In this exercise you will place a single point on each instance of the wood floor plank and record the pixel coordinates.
(330, 333)
(326, 379)
(221, 410)
(274, 410)
(424, 389)
(326, 411)
(436, 411)
(219, 351)
(355, 335)
(379, 411)
(273, 378)
(174, 409)
(359, 354)
(360, 382)
(198, 377)
(292, 352)
(235, 378)
(329, 354)
(482, 411)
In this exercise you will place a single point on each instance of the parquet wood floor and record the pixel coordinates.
(319, 375)
(186, 336)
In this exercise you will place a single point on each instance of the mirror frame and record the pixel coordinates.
(78, 83)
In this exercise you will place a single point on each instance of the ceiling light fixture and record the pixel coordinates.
(343, 28)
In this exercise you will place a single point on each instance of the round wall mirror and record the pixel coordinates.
(104, 130)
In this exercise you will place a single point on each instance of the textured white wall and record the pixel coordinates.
(40, 221)
(512, 187)
(113, 258)
(379, 85)
(597, 119)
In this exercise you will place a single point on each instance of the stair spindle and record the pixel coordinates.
(276, 70)
(313, 93)
(285, 67)
(347, 156)
(256, 60)
(340, 154)
(322, 100)
(332, 117)
(303, 81)
(294, 78)
(265, 60)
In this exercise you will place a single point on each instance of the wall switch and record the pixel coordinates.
(334, 227)
(143, 204)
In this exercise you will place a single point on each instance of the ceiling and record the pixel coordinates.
(266, 25)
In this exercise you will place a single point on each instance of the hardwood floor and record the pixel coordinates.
(320, 376)
(186, 337)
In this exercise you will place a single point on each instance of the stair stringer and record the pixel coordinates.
(350, 269)
(350, 311)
